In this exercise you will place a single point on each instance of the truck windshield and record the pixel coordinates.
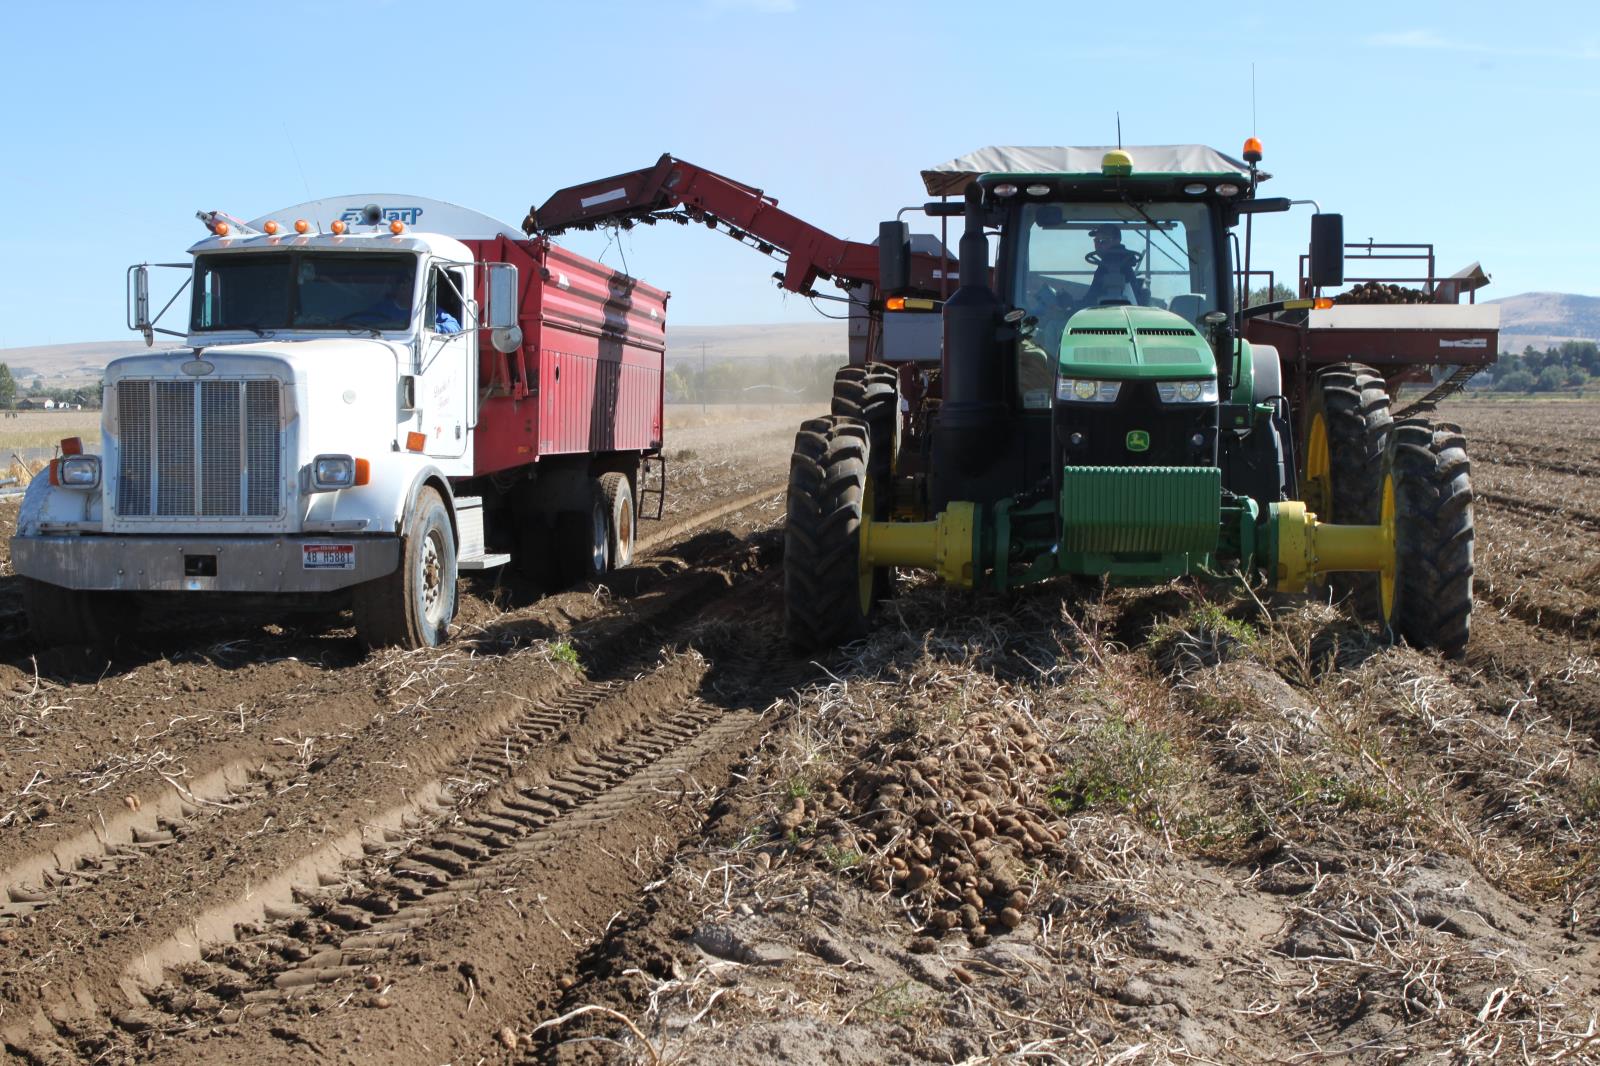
(1072, 256)
(303, 290)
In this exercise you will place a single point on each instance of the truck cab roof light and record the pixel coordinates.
(397, 227)
(300, 225)
(338, 226)
(269, 227)
(219, 228)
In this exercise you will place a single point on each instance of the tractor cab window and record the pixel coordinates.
(1073, 256)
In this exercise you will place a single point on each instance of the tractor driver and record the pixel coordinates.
(1116, 274)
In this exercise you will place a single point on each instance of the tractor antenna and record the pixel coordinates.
(1253, 130)
(1119, 129)
(300, 167)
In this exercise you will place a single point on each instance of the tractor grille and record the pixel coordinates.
(207, 449)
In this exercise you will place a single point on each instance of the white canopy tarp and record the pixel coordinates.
(950, 179)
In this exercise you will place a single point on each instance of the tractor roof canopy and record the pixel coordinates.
(952, 178)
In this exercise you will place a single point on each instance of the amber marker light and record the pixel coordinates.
(397, 227)
(415, 441)
(338, 226)
(1322, 303)
(363, 471)
(895, 303)
(270, 227)
(220, 229)
(72, 446)
(300, 225)
(1252, 150)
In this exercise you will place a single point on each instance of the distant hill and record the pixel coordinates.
(779, 341)
(66, 365)
(1546, 318)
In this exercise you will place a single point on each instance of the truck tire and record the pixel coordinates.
(60, 616)
(1430, 475)
(871, 394)
(826, 597)
(583, 542)
(1342, 463)
(412, 607)
(622, 523)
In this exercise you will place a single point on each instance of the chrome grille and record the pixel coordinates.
(209, 449)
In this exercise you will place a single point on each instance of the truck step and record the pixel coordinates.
(483, 562)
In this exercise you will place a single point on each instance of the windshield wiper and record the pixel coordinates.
(1160, 233)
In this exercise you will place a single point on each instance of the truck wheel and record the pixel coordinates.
(871, 394)
(827, 598)
(1427, 483)
(583, 541)
(617, 495)
(1347, 428)
(412, 607)
(61, 616)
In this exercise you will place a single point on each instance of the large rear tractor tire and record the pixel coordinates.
(412, 607)
(1428, 484)
(60, 616)
(1342, 465)
(871, 395)
(827, 598)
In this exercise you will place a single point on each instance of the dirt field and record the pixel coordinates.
(630, 825)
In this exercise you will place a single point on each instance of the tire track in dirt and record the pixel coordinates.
(415, 882)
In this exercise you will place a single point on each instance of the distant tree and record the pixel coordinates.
(1577, 377)
(1263, 295)
(8, 387)
(1515, 381)
(1551, 378)
(38, 384)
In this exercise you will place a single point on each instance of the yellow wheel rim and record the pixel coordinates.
(863, 557)
(1318, 488)
(1386, 576)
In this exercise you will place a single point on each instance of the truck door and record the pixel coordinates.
(447, 395)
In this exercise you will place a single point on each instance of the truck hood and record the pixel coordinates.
(306, 360)
(1134, 343)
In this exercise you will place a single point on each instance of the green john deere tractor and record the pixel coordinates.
(1096, 410)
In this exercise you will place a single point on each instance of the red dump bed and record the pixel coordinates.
(589, 374)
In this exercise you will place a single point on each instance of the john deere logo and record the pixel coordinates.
(1138, 440)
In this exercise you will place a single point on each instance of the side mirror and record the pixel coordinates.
(139, 304)
(1327, 250)
(894, 257)
(503, 307)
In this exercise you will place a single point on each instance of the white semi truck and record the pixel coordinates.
(375, 392)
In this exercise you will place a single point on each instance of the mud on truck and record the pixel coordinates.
(374, 394)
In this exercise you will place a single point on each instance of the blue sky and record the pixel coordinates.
(1465, 124)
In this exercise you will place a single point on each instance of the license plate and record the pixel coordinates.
(328, 556)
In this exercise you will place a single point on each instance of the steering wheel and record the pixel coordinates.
(1134, 258)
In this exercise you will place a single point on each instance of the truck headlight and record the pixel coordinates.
(329, 472)
(1086, 390)
(78, 471)
(1187, 391)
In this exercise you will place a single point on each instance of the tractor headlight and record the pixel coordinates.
(1187, 391)
(329, 472)
(1086, 390)
(78, 471)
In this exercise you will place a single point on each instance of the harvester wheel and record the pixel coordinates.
(412, 607)
(1427, 471)
(1347, 428)
(827, 599)
(871, 394)
(61, 616)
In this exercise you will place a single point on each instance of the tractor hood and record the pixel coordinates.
(1134, 343)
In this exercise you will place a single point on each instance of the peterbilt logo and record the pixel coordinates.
(197, 368)
(408, 215)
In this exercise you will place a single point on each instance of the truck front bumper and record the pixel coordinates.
(204, 564)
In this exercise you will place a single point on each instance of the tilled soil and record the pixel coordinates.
(628, 824)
